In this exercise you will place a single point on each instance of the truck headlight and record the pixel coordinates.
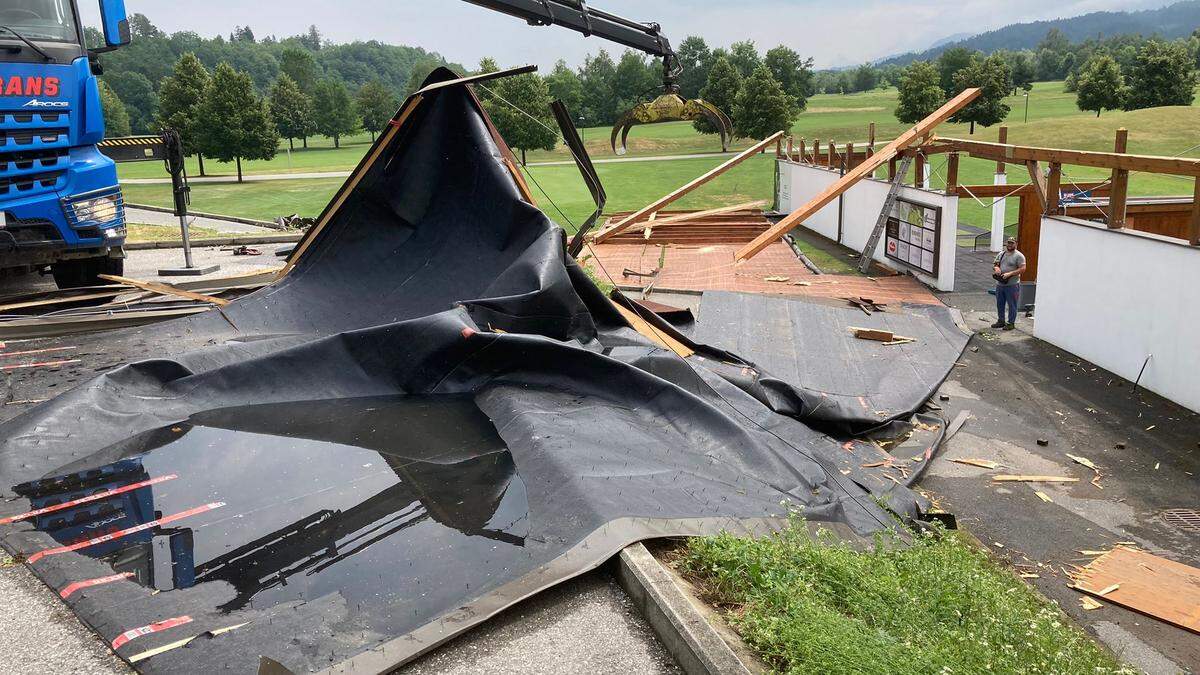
(96, 210)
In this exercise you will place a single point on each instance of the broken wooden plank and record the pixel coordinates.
(873, 334)
(654, 334)
(684, 217)
(678, 194)
(852, 177)
(165, 289)
(981, 463)
(1157, 587)
(1033, 479)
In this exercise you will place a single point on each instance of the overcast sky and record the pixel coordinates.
(834, 33)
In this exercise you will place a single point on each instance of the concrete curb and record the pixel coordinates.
(246, 240)
(683, 630)
(214, 216)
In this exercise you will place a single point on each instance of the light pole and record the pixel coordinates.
(1026, 106)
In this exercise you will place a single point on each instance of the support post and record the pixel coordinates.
(1120, 185)
(849, 163)
(832, 150)
(1054, 189)
(871, 139)
(919, 174)
(1038, 180)
(790, 148)
(1000, 206)
(800, 151)
(1194, 225)
(892, 170)
(816, 153)
(952, 173)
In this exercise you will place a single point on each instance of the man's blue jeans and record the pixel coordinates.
(1008, 295)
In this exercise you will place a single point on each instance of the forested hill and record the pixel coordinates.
(135, 71)
(1175, 21)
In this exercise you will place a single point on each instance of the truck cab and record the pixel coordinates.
(60, 203)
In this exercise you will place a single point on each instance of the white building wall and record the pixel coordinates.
(1116, 297)
(800, 182)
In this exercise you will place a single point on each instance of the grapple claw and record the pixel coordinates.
(670, 107)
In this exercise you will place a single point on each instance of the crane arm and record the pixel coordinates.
(576, 15)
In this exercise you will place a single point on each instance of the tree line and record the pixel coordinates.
(1125, 72)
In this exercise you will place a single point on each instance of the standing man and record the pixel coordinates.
(1007, 269)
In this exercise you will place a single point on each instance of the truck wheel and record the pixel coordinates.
(78, 273)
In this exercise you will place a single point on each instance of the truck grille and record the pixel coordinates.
(14, 186)
(15, 139)
(11, 118)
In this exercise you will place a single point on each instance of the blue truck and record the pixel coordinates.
(60, 203)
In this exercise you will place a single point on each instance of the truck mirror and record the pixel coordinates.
(116, 24)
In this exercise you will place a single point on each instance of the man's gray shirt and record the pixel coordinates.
(1010, 262)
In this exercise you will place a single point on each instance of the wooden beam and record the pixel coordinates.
(165, 289)
(847, 181)
(998, 191)
(832, 149)
(871, 140)
(655, 335)
(1019, 154)
(816, 151)
(1038, 180)
(1003, 136)
(790, 147)
(849, 156)
(800, 152)
(1193, 235)
(952, 173)
(919, 171)
(1054, 188)
(1029, 233)
(659, 203)
(1120, 184)
(681, 217)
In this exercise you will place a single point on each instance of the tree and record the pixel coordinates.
(724, 84)
(920, 92)
(866, 78)
(291, 110)
(531, 127)
(599, 104)
(696, 58)
(299, 65)
(633, 81)
(793, 73)
(949, 63)
(236, 122)
(116, 119)
(744, 56)
(333, 111)
(993, 77)
(241, 34)
(762, 107)
(565, 86)
(1023, 70)
(179, 97)
(376, 105)
(136, 92)
(311, 39)
(1101, 85)
(1163, 74)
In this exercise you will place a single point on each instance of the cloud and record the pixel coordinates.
(833, 33)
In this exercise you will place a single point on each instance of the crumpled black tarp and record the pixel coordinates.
(433, 416)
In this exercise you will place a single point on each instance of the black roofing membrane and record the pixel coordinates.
(432, 417)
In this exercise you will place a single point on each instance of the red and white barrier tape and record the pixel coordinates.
(135, 633)
(45, 364)
(77, 585)
(90, 498)
(36, 351)
(123, 533)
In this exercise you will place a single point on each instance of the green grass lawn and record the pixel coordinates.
(143, 232)
(1053, 121)
(814, 605)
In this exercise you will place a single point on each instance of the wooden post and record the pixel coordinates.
(952, 173)
(1029, 233)
(778, 149)
(791, 146)
(849, 156)
(919, 178)
(832, 149)
(1054, 189)
(871, 140)
(1003, 139)
(1194, 225)
(892, 170)
(816, 153)
(800, 151)
(1120, 185)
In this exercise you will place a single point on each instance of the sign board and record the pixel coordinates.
(914, 236)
